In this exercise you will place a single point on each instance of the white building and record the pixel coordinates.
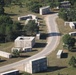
(24, 42)
(38, 36)
(72, 33)
(5, 54)
(24, 17)
(44, 10)
(36, 65)
(59, 53)
(12, 72)
(72, 25)
(65, 4)
(29, 16)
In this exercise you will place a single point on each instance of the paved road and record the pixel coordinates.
(52, 42)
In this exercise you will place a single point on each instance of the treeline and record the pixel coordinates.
(34, 5)
(68, 14)
(9, 29)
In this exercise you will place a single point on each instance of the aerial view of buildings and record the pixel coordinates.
(38, 37)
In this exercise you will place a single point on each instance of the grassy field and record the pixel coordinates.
(60, 66)
(14, 12)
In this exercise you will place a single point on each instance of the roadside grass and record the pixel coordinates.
(59, 66)
(14, 12)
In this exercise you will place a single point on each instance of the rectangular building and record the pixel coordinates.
(73, 25)
(5, 54)
(59, 53)
(65, 4)
(36, 65)
(22, 42)
(12, 72)
(45, 10)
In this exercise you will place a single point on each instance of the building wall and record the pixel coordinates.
(36, 65)
(44, 10)
(5, 54)
(24, 43)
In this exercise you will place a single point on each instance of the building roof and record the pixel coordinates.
(26, 38)
(45, 7)
(38, 58)
(59, 52)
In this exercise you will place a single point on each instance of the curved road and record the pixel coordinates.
(52, 42)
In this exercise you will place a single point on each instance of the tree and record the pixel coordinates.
(68, 40)
(31, 28)
(8, 33)
(1, 10)
(62, 14)
(2, 3)
(16, 53)
(33, 6)
(72, 61)
(5, 19)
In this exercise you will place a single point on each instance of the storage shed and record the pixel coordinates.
(73, 25)
(44, 10)
(59, 53)
(5, 54)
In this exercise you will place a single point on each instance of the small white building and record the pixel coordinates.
(24, 41)
(59, 53)
(72, 33)
(12, 72)
(72, 25)
(36, 65)
(5, 54)
(44, 10)
(38, 36)
(29, 16)
(24, 17)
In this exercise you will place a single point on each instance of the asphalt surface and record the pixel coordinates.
(52, 42)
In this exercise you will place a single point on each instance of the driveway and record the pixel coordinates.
(52, 42)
